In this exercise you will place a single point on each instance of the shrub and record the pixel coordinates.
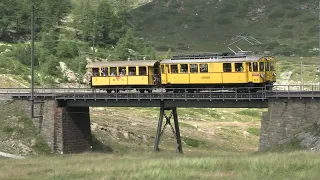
(254, 131)
(193, 142)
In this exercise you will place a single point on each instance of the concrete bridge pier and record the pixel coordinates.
(66, 129)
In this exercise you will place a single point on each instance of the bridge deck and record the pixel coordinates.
(210, 98)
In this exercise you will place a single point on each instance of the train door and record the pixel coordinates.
(268, 74)
(157, 74)
(249, 71)
(150, 75)
(164, 73)
(255, 72)
(269, 68)
(262, 68)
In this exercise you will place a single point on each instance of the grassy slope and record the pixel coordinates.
(204, 25)
(17, 132)
(298, 165)
(132, 129)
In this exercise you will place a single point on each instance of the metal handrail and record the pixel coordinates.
(205, 94)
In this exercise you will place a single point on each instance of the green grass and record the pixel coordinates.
(18, 131)
(293, 64)
(186, 125)
(193, 142)
(254, 131)
(294, 165)
(250, 112)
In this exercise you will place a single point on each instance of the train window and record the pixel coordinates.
(203, 68)
(267, 66)
(162, 69)
(122, 71)
(104, 71)
(227, 67)
(95, 71)
(255, 67)
(174, 68)
(183, 68)
(249, 66)
(143, 70)
(113, 71)
(132, 71)
(193, 68)
(271, 66)
(261, 66)
(238, 67)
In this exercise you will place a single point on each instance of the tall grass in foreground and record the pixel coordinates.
(295, 165)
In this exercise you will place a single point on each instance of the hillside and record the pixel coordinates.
(210, 25)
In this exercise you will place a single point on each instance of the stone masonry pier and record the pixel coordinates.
(286, 118)
(66, 129)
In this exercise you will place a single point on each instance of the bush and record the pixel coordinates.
(193, 142)
(249, 112)
(67, 49)
(41, 146)
(254, 131)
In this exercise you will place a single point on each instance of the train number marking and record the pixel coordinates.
(205, 77)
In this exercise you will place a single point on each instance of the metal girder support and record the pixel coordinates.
(176, 130)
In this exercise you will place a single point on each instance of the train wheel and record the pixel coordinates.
(141, 90)
(109, 91)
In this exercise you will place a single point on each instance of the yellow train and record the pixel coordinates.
(187, 72)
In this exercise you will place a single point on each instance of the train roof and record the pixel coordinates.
(122, 63)
(213, 59)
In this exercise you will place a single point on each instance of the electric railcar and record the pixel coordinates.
(187, 71)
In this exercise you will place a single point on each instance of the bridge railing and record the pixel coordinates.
(93, 90)
(177, 93)
(160, 94)
(298, 87)
(123, 93)
(299, 91)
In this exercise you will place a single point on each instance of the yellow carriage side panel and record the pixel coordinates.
(118, 80)
(241, 77)
(235, 77)
(205, 78)
(217, 67)
(100, 81)
(138, 80)
(178, 78)
(211, 67)
(164, 79)
(256, 77)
